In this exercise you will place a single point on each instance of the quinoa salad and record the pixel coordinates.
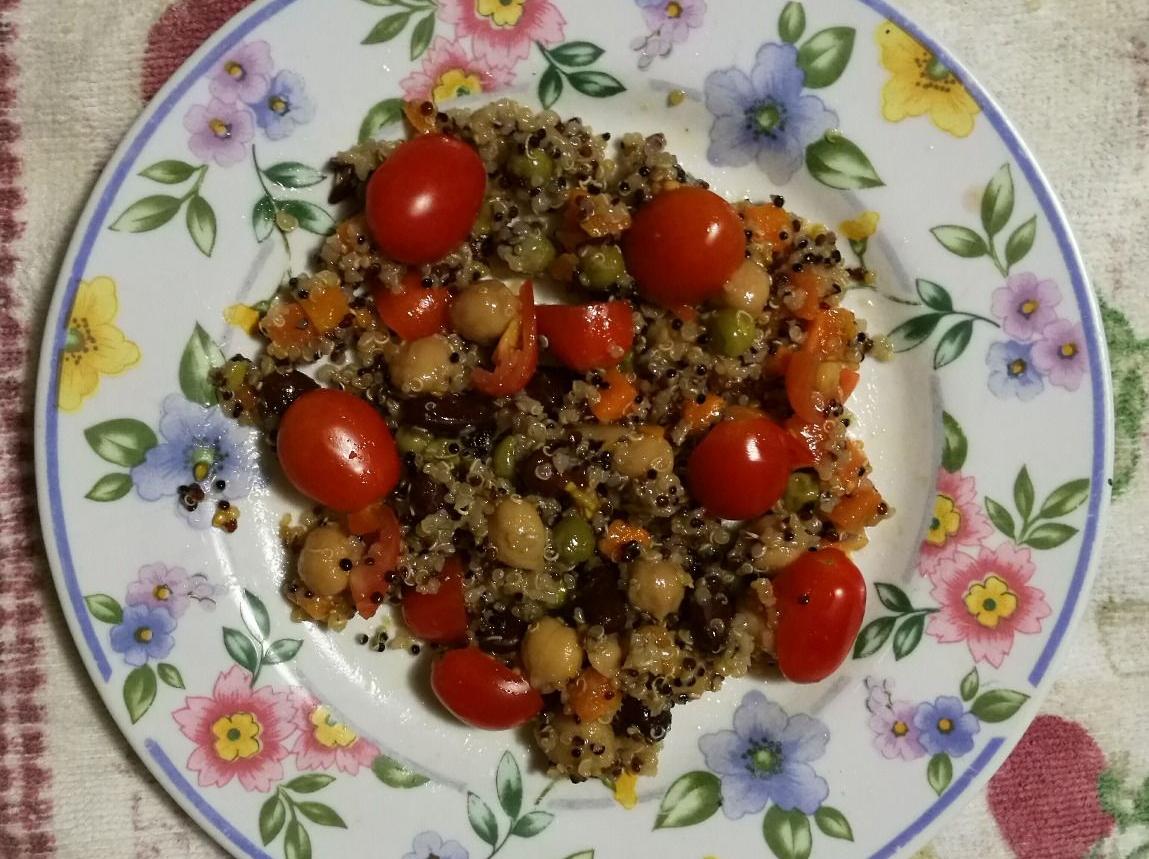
(589, 510)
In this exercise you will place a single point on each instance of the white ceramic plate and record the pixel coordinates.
(990, 433)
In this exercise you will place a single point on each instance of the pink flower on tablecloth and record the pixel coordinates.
(239, 732)
(220, 132)
(449, 71)
(1025, 305)
(986, 601)
(503, 30)
(957, 521)
(1060, 354)
(243, 73)
(323, 741)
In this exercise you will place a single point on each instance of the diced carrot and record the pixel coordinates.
(593, 696)
(286, 325)
(851, 467)
(616, 399)
(325, 304)
(617, 535)
(768, 222)
(570, 232)
(778, 363)
(848, 382)
(810, 284)
(698, 416)
(855, 512)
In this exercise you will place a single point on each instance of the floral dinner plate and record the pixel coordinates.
(990, 432)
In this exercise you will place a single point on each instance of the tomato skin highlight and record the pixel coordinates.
(740, 468)
(336, 449)
(482, 692)
(588, 337)
(821, 600)
(416, 311)
(423, 200)
(441, 617)
(684, 245)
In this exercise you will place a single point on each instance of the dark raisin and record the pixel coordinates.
(549, 386)
(538, 476)
(425, 496)
(499, 631)
(601, 600)
(280, 390)
(634, 719)
(708, 618)
(450, 414)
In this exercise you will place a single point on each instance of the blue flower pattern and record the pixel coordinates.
(145, 633)
(1011, 371)
(284, 106)
(946, 727)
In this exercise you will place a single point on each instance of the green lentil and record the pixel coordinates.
(531, 254)
(801, 490)
(573, 539)
(601, 266)
(508, 451)
(412, 439)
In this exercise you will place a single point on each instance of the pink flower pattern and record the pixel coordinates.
(503, 32)
(957, 521)
(449, 71)
(1061, 354)
(324, 742)
(243, 74)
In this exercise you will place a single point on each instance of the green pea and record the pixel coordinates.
(573, 539)
(506, 456)
(531, 254)
(412, 439)
(731, 332)
(485, 222)
(802, 489)
(535, 167)
(600, 266)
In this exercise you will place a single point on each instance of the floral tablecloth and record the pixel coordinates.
(1073, 76)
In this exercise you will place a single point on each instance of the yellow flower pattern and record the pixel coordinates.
(990, 601)
(456, 83)
(921, 85)
(94, 346)
(236, 736)
(945, 522)
(504, 13)
(330, 733)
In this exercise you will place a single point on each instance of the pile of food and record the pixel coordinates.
(594, 510)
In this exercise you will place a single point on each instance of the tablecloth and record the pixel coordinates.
(1072, 74)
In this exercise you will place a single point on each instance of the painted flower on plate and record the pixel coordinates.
(945, 727)
(986, 601)
(764, 116)
(673, 19)
(93, 346)
(504, 30)
(324, 742)
(144, 633)
(766, 758)
(429, 845)
(1060, 354)
(957, 521)
(243, 73)
(220, 131)
(449, 71)
(284, 106)
(920, 84)
(161, 586)
(892, 722)
(1025, 305)
(1011, 371)
(239, 732)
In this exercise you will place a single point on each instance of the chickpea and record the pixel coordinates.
(327, 558)
(518, 534)
(748, 289)
(551, 654)
(657, 587)
(482, 311)
(636, 455)
(653, 648)
(604, 654)
(423, 366)
(595, 737)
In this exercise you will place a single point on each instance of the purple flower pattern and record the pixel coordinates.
(430, 845)
(144, 633)
(896, 735)
(670, 23)
(946, 727)
(220, 131)
(1025, 305)
(1011, 371)
(170, 588)
(243, 74)
(1060, 354)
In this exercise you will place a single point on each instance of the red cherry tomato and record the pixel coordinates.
(684, 245)
(416, 311)
(740, 469)
(588, 337)
(423, 200)
(516, 354)
(336, 449)
(483, 692)
(440, 617)
(821, 599)
(815, 374)
(368, 582)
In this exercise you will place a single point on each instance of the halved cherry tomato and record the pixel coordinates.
(808, 441)
(441, 617)
(423, 200)
(481, 691)
(517, 353)
(368, 582)
(684, 245)
(816, 374)
(335, 448)
(370, 519)
(416, 311)
(821, 599)
(740, 468)
(590, 336)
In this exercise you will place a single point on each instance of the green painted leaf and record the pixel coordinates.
(421, 35)
(953, 343)
(825, 56)
(873, 636)
(908, 635)
(893, 597)
(272, 816)
(147, 214)
(530, 825)
(1049, 535)
(170, 675)
(123, 441)
(254, 614)
(200, 357)
(387, 29)
(595, 84)
(309, 783)
(394, 774)
(382, 114)
(296, 843)
(955, 447)
(313, 218)
(509, 785)
(576, 54)
(322, 814)
(585, 854)
(1065, 499)
(169, 172)
(997, 202)
(1020, 242)
(970, 684)
(1023, 493)
(292, 174)
(998, 705)
(692, 799)
(787, 833)
(934, 296)
(961, 241)
(550, 87)
(482, 819)
(201, 224)
(792, 22)
(914, 331)
(240, 648)
(1000, 517)
(263, 218)
(940, 772)
(110, 487)
(837, 162)
(833, 823)
(139, 691)
(283, 650)
(104, 608)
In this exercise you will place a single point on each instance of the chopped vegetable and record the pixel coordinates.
(615, 399)
(517, 355)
